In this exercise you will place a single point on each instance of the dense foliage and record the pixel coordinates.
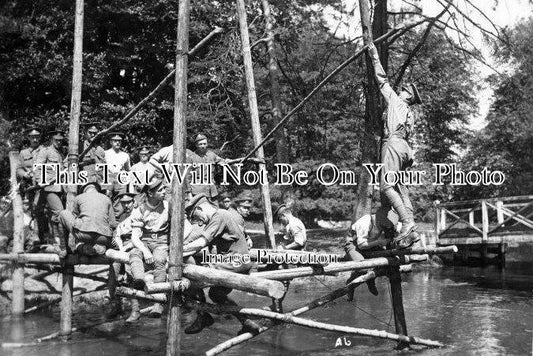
(129, 47)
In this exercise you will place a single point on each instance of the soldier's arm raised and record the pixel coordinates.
(379, 72)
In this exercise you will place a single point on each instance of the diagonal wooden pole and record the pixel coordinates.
(254, 114)
(177, 201)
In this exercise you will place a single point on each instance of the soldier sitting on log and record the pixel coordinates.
(122, 241)
(90, 222)
(223, 231)
(371, 232)
(150, 233)
(293, 229)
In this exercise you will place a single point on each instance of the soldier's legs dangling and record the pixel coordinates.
(393, 159)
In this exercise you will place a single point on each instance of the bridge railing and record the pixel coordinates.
(483, 217)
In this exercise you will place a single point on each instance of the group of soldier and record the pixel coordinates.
(137, 220)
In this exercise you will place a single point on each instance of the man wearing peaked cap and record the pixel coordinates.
(117, 161)
(27, 157)
(95, 155)
(150, 224)
(223, 231)
(143, 165)
(243, 204)
(396, 155)
(51, 194)
(224, 201)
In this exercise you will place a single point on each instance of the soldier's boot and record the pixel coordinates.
(248, 325)
(135, 312)
(203, 320)
(403, 240)
(371, 284)
(59, 242)
(115, 308)
(157, 310)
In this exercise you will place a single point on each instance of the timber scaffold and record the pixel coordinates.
(270, 284)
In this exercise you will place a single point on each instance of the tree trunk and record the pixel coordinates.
(374, 103)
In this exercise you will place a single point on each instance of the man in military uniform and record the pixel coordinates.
(396, 155)
(243, 203)
(293, 229)
(95, 155)
(90, 222)
(25, 175)
(117, 161)
(52, 193)
(206, 157)
(224, 201)
(150, 223)
(143, 165)
(222, 230)
(122, 242)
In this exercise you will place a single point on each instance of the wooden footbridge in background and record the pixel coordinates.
(485, 225)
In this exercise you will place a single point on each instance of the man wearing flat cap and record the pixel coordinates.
(224, 201)
(27, 157)
(117, 161)
(243, 204)
(150, 223)
(396, 155)
(51, 194)
(95, 155)
(292, 229)
(223, 231)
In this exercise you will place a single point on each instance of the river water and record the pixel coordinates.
(474, 311)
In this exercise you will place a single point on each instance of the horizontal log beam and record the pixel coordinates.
(165, 287)
(412, 251)
(137, 294)
(337, 267)
(243, 282)
(110, 257)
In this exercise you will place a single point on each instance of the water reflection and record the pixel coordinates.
(473, 310)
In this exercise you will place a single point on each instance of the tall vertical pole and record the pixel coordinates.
(17, 306)
(254, 114)
(65, 327)
(395, 279)
(75, 100)
(177, 201)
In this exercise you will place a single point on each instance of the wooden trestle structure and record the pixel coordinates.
(268, 283)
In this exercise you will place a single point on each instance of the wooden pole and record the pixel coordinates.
(152, 94)
(110, 256)
(17, 306)
(412, 251)
(254, 115)
(334, 267)
(177, 201)
(75, 100)
(65, 321)
(309, 306)
(291, 319)
(395, 279)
